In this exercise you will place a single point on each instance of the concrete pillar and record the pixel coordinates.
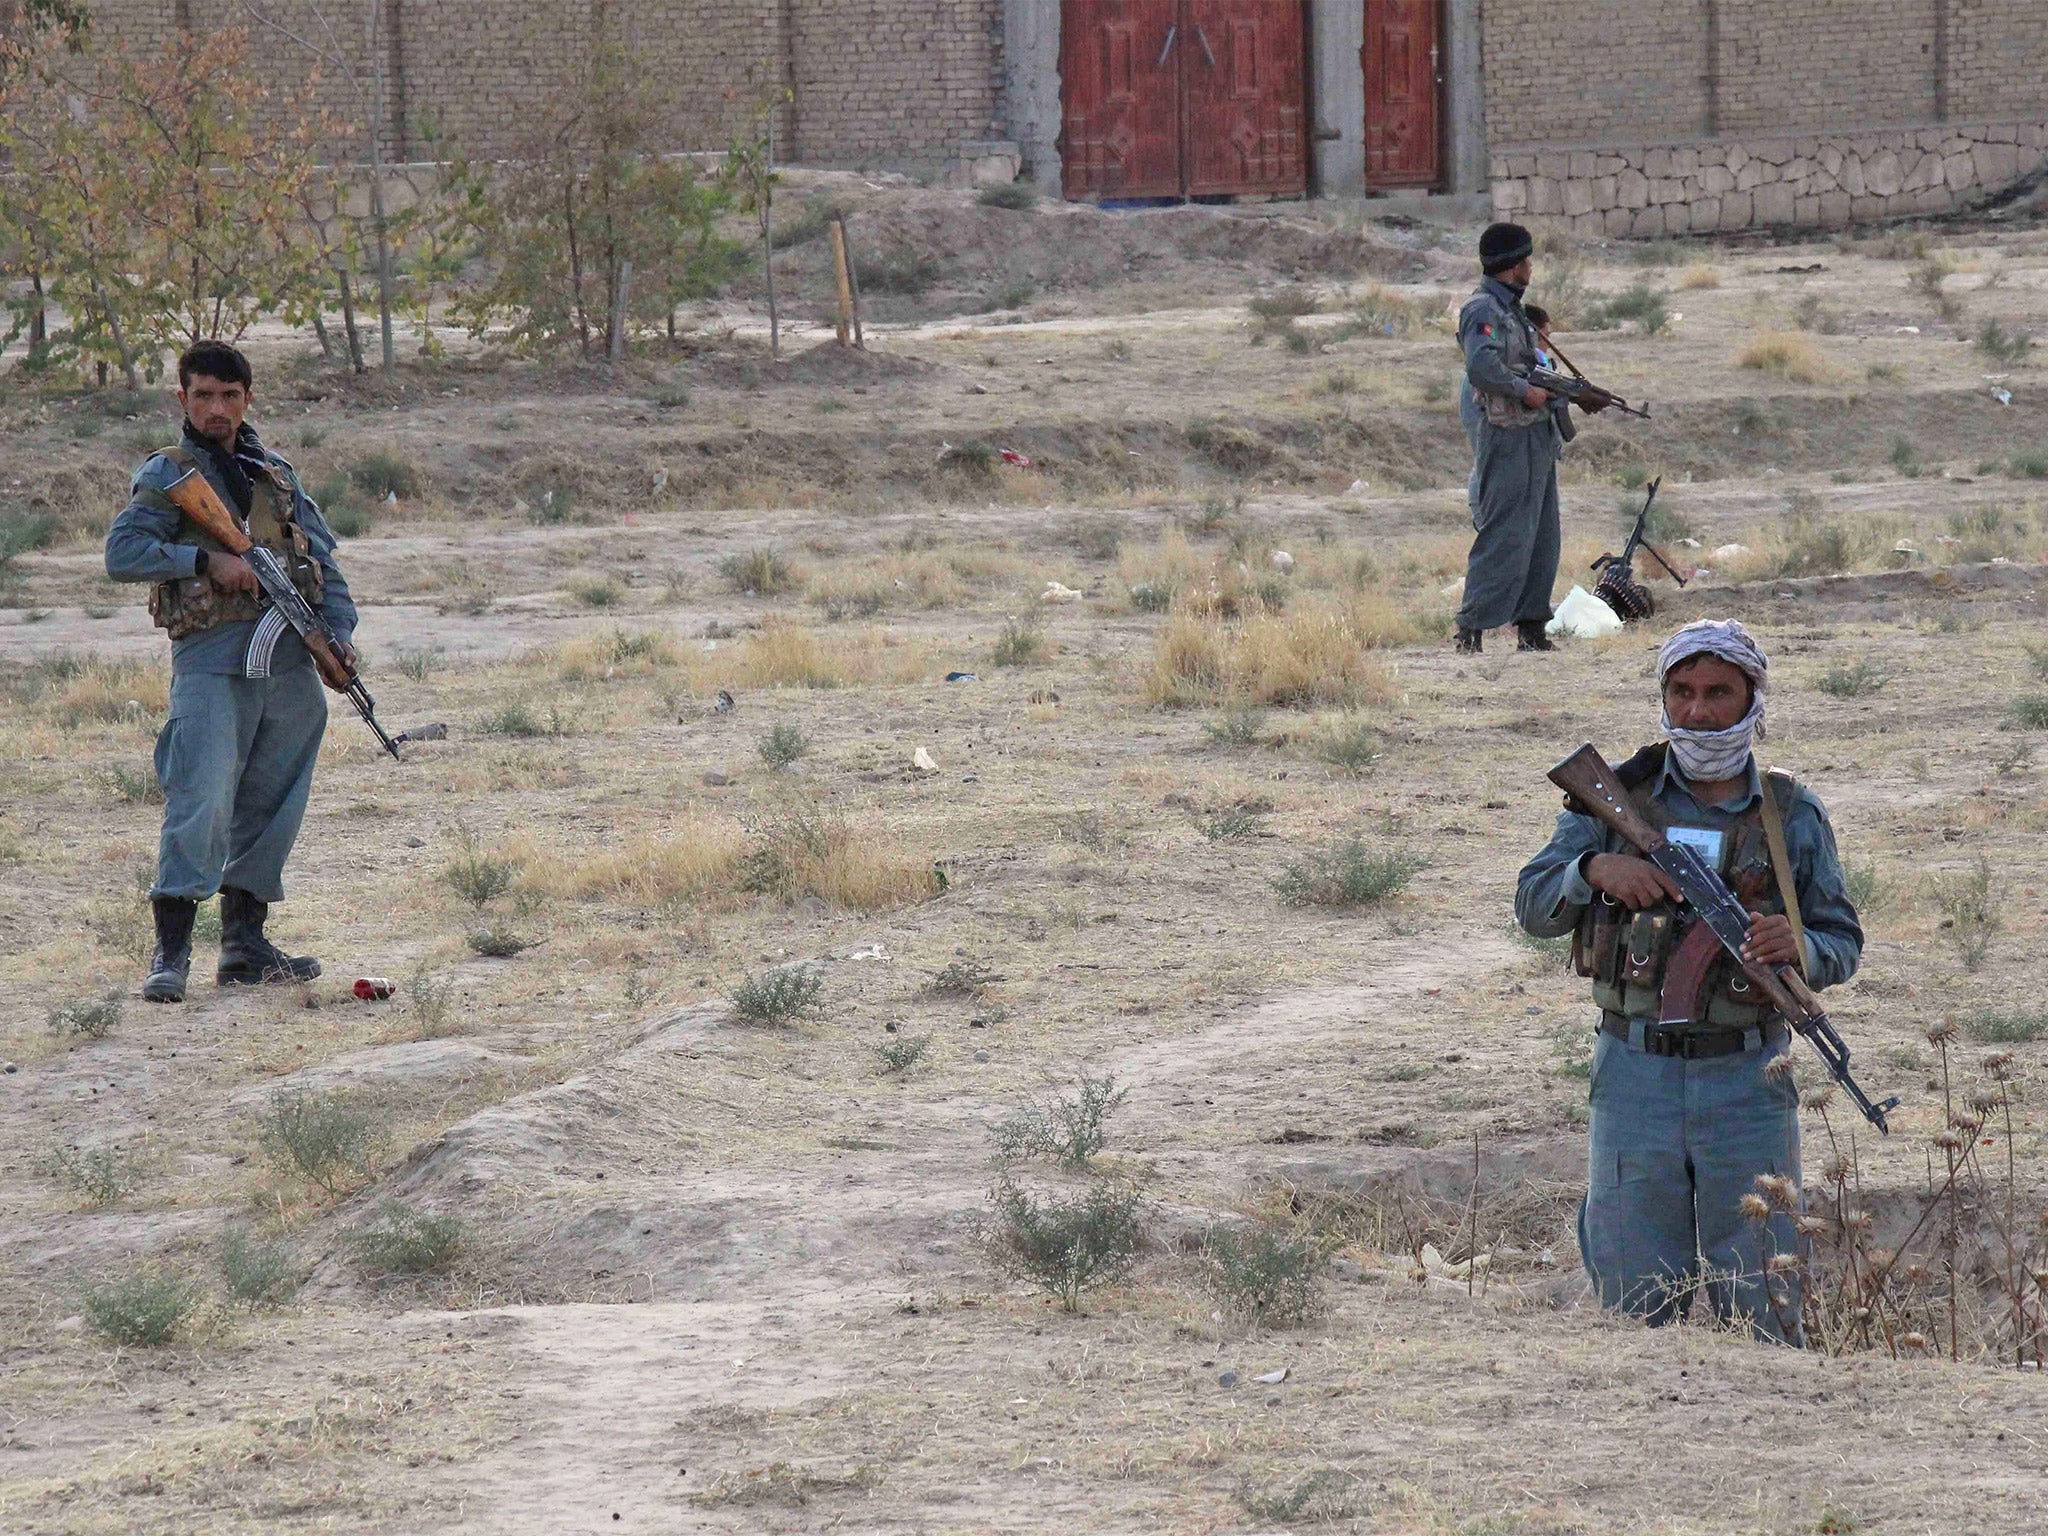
(1467, 167)
(1337, 96)
(1031, 86)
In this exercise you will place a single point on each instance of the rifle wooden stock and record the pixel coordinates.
(1586, 777)
(195, 496)
(198, 500)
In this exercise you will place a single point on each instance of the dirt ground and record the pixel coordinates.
(723, 1277)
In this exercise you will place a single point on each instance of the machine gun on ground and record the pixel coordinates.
(1618, 587)
(1721, 922)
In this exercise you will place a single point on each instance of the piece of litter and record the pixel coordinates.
(725, 703)
(1055, 593)
(977, 389)
(660, 481)
(1584, 617)
(2002, 396)
(1688, 543)
(962, 677)
(870, 952)
(1729, 552)
(1906, 330)
(1358, 488)
(1273, 1378)
(1012, 456)
(921, 760)
(1282, 561)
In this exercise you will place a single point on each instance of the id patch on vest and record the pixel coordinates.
(1708, 842)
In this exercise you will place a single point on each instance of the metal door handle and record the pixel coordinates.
(1168, 47)
(1203, 38)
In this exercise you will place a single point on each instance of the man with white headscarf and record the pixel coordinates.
(1686, 1119)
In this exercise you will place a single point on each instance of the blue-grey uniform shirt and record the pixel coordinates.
(1500, 348)
(141, 547)
(1552, 893)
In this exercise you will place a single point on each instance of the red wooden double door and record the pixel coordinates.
(1182, 98)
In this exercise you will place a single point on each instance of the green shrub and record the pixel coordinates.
(92, 1021)
(1234, 824)
(2030, 711)
(1070, 1131)
(899, 1053)
(104, 1175)
(1646, 306)
(497, 943)
(1284, 303)
(21, 532)
(2019, 1027)
(759, 572)
(1263, 1272)
(1348, 875)
(477, 877)
(962, 978)
(1970, 910)
(2001, 345)
(384, 472)
(1854, 682)
(1905, 457)
(2030, 466)
(1869, 890)
(897, 268)
(327, 1141)
(1353, 746)
(348, 520)
(1015, 195)
(1238, 727)
(779, 996)
(256, 1273)
(597, 592)
(139, 1307)
(1321, 1498)
(403, 1241)
(1019, 645)
(552, 506)
(783, 745)
(525, 721)
(417, 663)
(1063, 1246)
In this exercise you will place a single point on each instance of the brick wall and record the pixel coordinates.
(1594, 73)
(891, 80)
(1997, 57)
(1790, 64)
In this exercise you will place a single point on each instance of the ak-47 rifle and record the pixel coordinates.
(197, 499)
(1618, 587)
(1580, 390)
(1722, 923)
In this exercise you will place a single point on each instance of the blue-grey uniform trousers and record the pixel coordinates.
(1676, 1144)
(1513, 492)
(235, 760)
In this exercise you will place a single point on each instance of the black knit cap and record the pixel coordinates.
(1504, 246)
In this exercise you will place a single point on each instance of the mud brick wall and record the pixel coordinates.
(892, 80)
(1997, 58)
(1787, 64)
(1565, 74)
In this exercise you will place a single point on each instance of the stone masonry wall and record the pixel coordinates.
(895, 80)
(1808, 181)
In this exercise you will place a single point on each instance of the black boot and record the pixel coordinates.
(1529, 635)
(1471, 641)
(171, 964)
(247, 959)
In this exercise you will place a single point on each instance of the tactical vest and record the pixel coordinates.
(1517, 339)
(186, 605)
(1624, 953)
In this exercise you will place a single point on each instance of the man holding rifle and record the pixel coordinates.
(235, 759)
(1688, 1108)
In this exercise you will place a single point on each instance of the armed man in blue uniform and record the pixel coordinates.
(1515, 445)
(235, 759)
(1685, 1119)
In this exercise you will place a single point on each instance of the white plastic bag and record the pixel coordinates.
(1584, 617)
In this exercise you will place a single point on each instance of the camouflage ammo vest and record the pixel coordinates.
(1624, 954)
(186, 605)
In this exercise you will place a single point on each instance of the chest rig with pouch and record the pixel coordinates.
(1517, 339)
(186, 605)
(1629, 956)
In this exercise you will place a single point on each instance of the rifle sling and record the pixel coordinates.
(1781, 866)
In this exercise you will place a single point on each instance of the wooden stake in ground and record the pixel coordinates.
(860, 339)
(843, 281)
(1472, 1239)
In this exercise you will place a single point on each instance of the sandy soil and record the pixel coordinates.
(726, 1278)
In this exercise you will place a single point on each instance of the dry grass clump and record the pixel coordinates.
(1784, 355)
(694, 860)
(615, 653)
(1318, 656)
(89, 689)
(786, 654)
(1702, 276)
(810, 854)
(1154, 575)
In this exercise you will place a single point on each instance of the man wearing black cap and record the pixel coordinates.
(1515, 444)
